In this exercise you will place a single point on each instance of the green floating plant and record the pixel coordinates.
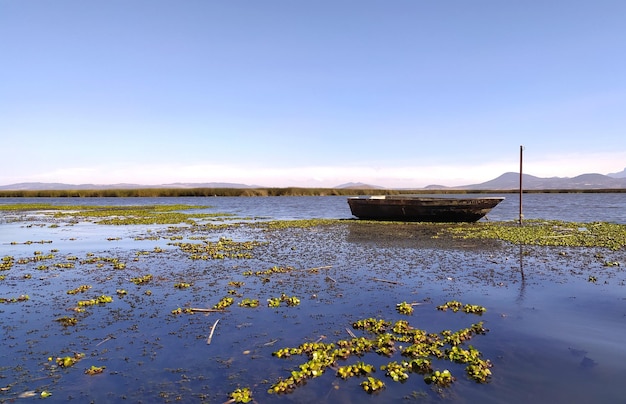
(181, 311)
(404, 308)
(357, 369)
(95, 370)
(6, 263)
(68, 361)
(92, 302)
(20, 298)
(276, 301)
(372, 385)
(273, 302)
(140, 280)
(222, 249)
(452, 305)
(236, 284)
(456, 306)
(224, 303)
(419, 348)
(66, 321)
(249, 303)
(80, 289)
(372, 325)
(440, 378)
(273, 270)
(397, 372)
(119, 265)
(474, 309)
(240, 396)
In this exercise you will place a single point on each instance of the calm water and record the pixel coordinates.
(567, 207)
(554, 336)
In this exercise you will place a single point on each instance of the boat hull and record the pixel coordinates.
(419, 209)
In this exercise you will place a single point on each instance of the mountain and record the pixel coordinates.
(585, 181)
(621, 174)
(505, 181)
(357, 185)
(205, 185)
(49, 186)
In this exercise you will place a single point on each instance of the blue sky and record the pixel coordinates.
(401, 93)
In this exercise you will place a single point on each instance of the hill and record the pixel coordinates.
(506, 181)
(510, 180)
(357, 185)
(621, 174)
(50, 186)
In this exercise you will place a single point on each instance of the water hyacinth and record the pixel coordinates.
(548, 233)
(422, 348)
(404, 308)
(68, 361)
(94, 370)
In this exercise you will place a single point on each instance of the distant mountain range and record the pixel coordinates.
(504, 182)
(621, 174)
(357, 185)
(530, 182)
(49, 186)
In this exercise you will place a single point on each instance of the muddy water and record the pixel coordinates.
(554, 335)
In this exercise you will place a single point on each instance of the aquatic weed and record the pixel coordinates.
(94, 370)
(423, 347)
(547, 233)
(404, 308)
(241, 395)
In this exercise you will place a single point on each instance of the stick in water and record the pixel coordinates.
(194, 309)
(387, 281)
(208, 341)
(316, 268)
(110, 337)
(351, 333)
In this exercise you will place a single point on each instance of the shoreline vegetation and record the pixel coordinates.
(287, 191)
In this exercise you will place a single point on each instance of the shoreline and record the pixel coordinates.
(288, 191)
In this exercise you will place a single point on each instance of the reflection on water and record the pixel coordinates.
(416, 236)
(522, 288)
(554, 336)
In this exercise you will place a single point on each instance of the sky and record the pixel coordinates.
(276, 93)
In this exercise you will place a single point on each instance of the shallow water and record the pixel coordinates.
(554, 336)
(582, 207)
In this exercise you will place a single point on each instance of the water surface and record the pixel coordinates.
(554, 336)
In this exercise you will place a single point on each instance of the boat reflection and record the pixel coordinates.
(413, 235)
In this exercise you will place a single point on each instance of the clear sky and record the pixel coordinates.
(401, 93)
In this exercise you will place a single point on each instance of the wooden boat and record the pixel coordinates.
(421, 209)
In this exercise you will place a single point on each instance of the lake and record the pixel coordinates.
(554, 322)
(573, 207)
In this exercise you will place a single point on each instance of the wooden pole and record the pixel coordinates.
(521, 215)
